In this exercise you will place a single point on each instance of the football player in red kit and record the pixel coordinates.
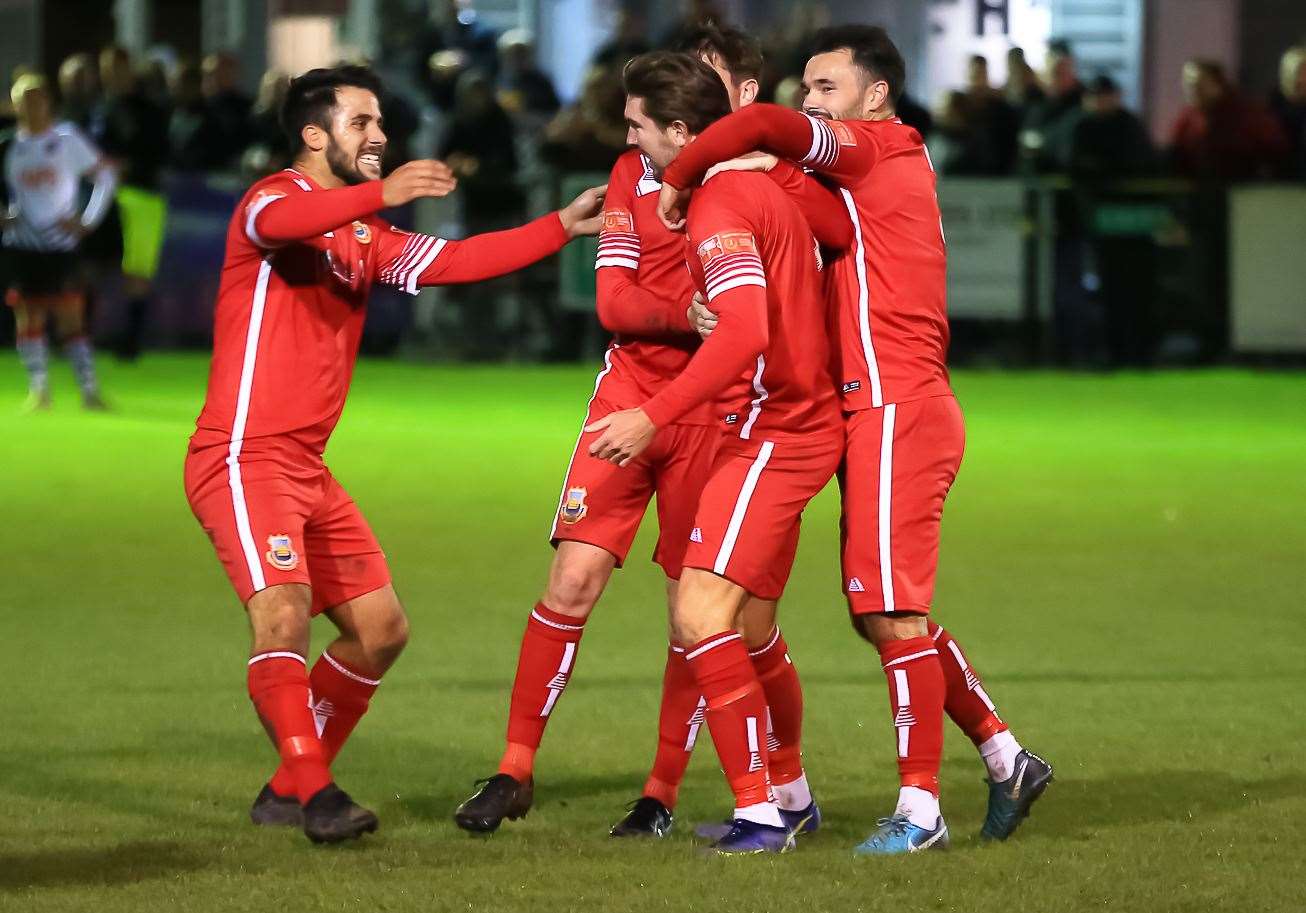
(904, 429)
(303, 250)
(643, 293)
(753, 256)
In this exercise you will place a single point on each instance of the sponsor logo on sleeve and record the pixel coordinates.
(852, 386)
(281, 552)
(574, 508)
(725, 244)
(618, 220)
(843, 133)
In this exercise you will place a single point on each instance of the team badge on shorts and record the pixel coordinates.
(574, 508)
(281, 553)
(363, 233)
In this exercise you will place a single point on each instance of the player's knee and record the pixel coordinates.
(880, 629)
(757, 622)
(573, 591)
(383, 637)
(281, 624)
(393, 636)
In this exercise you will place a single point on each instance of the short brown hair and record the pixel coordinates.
(740, 54)
(677, 87)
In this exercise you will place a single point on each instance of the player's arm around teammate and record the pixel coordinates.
(905, 432)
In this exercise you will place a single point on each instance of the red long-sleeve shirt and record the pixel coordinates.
(644, 288)
(300, 263)
(890, 290)
(753, 255)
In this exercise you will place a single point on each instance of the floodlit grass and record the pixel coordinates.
(1122, 559)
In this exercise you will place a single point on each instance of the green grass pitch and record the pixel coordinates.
(1122, 558)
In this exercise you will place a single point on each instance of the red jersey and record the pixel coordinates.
(643, 291)
(644, 287)
(890, 289)
(754, 256)
(300, 263)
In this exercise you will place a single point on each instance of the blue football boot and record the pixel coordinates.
(747, 838)
(898, 835)
(1010, 800)
(804, 821)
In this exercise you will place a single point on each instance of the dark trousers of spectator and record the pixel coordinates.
(1076, 318)
(1126, 270)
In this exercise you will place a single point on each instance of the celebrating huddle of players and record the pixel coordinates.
(807, 338)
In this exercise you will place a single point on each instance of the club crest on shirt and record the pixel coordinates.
(363, 233)
(574, 507)
(618, 220)
(842, 133)
(281, 553)
(724, 244)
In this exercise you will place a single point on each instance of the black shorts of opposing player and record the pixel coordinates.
(36, 274)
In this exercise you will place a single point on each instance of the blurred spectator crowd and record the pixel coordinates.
(492, 100)
(479, 99)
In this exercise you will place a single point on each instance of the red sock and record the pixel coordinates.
(784, 700)
(679, 720)
(916, 694)
(736, 713)
(278, 686)
(968, 704)
(340, 696)
(548, 654)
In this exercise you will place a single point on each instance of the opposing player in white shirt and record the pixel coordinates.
(45, 167)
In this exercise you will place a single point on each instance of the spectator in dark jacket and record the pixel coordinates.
(269, 149)
(480, 148)
(590, 134)
(629, 39)
(993, 121)
(1049, 123)
(79, 89)
(523, 87)
(455, 41)
(227, 106)
(193, 136)
(1109, 141)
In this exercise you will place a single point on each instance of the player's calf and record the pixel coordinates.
(549, 648)
(916, 697)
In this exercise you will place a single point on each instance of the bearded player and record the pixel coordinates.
(753, 256)
(303, 250)
(643, 293)
(904, 428)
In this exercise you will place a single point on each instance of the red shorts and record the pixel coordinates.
(602, 503)
(746, 528)
(283, 518)
(900, 462)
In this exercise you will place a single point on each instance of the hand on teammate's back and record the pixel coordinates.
(700, 318)
(673, 205)
(420, 178)
(584, 215)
